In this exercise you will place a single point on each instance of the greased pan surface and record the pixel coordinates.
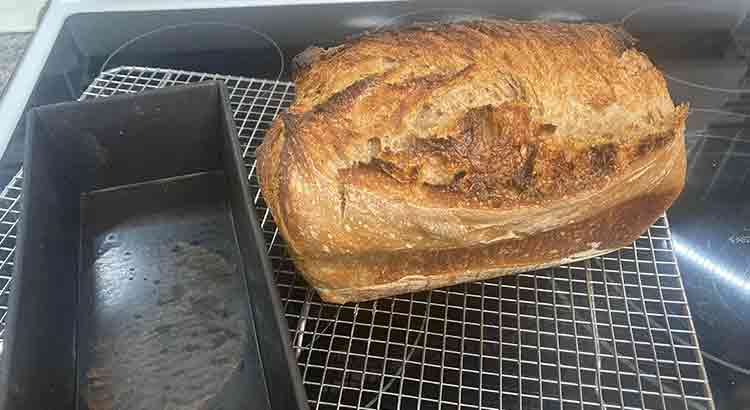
(141, 265)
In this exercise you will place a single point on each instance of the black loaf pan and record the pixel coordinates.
(141, 275)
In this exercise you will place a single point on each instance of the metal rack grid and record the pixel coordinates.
(610, 332)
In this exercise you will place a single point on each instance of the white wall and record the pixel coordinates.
(19, 15)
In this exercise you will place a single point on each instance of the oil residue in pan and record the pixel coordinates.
(166, 323)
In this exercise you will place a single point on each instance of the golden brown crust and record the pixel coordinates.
(393, 273)
(399, 161)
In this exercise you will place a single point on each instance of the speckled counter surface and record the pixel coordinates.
(12, 47)
(11, 50)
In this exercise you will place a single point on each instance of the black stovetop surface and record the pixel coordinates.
(710, 221)
(711, 228)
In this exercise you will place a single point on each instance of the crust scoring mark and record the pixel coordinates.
(499, 155)
(342, 198)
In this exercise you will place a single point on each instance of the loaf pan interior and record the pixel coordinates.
(140, 264)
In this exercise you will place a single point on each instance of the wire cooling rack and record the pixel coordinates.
(610, 332)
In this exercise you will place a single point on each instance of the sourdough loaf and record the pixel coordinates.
(446, 153)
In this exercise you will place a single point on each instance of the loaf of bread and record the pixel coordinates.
(446, 153)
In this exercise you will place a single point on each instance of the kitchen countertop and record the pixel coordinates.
(12, 47)
(710, 221)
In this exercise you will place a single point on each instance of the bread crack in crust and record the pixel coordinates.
(443, 153)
